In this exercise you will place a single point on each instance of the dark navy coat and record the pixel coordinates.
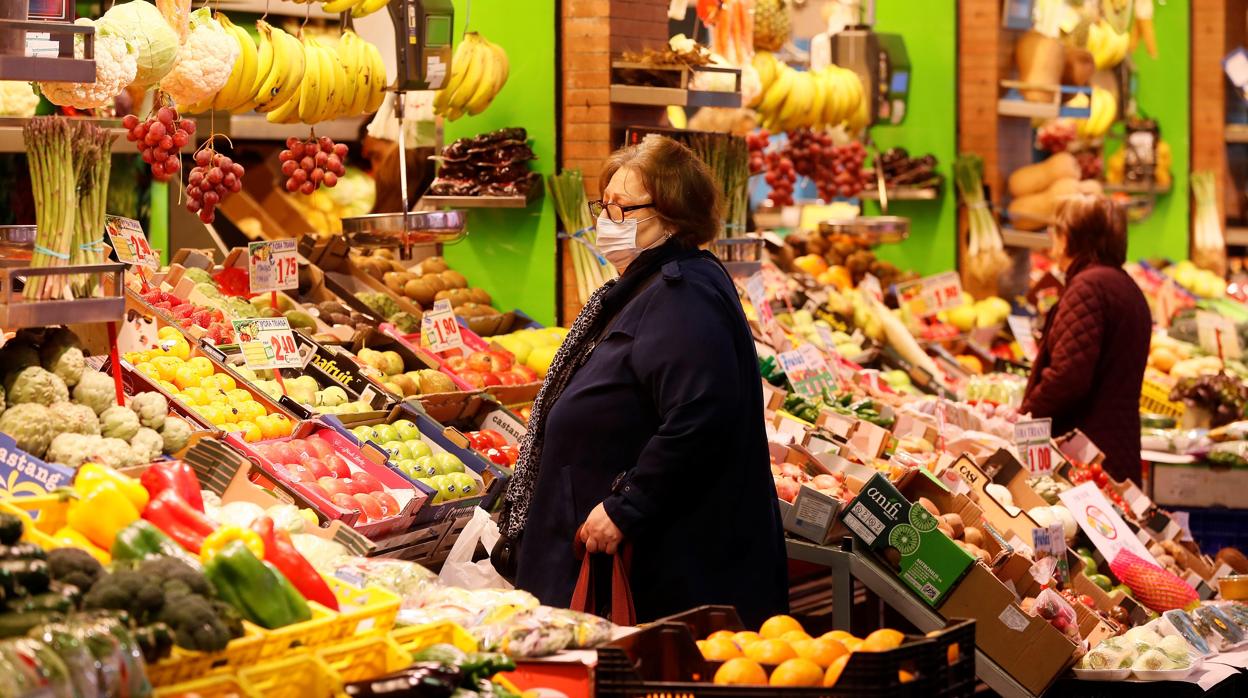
(664, 422)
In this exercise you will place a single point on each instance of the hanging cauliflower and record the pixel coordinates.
(17, 98)
(116, 64)
(143, 27)
(204, 61)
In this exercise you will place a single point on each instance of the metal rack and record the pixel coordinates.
(17, 312)
(850, 565)
(1025, 239)
(534, 193)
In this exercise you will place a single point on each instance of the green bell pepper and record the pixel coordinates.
(256, 588)
(141, 539)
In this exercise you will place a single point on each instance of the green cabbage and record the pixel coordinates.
(142, 25)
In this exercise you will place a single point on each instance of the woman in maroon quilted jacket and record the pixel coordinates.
(1091, 361)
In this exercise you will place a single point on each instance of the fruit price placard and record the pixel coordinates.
(1024, 334)
(1217, 335)
(267, 343)
(273, 265)
(1032, 438)
(1102, 525)
(439, 330)
(756, 289)
(129, 242)
(807, 371)
(931, 294)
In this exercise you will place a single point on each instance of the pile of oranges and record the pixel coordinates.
(782, 653)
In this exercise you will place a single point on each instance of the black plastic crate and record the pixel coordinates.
(664, 659)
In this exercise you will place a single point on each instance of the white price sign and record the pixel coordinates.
(267, 343)
(273, 265)
(129, 242)
(1217, 335)
(756, 289)
(1021, 326)
(1032, 437)
(870, 284)
(439, 329)
(932, 294)
(1102, 525)
(808, 374)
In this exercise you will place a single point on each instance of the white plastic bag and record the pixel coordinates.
(459, 570)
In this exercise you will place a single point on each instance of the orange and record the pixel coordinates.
(853, 644)
(882, 640)
(777, 626)
(838, 635)
(904, 676)
(721, 633)
(797, 672)
(720, 649)
(770, 652)
(795, 635)
(834, 672)
(741, 672)
(952, 652)
(821, 652)
(745, 638)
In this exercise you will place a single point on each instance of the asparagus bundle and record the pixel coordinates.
(93, 155)
(592, 271)
(728, 158)
(54, 181)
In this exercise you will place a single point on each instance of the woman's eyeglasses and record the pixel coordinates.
(615, 212)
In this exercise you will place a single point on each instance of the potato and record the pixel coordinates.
(433, 265)
(454, 279)
(954, 522)
(973, 536)
(927, 504)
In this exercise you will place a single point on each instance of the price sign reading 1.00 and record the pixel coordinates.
(273, 265)
(440, 329)
(267, 343)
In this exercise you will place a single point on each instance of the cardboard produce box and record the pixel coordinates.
(1013, 523)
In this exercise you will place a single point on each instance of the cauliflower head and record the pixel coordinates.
(142, 25)
(34, 384)
(204, 61)
(116, 64)
(17, 98)
(30, 425)
(119, 423)
(72, 418)
(95, 390)
(66, 362)
(146, 445)
(151, 409)
(175, 433)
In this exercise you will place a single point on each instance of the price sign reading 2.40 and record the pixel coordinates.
(440, 329)
(267, 343)
(273, 265)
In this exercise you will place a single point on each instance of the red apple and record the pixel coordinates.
(489, 361)
(506, 378)
(370, 505)
(512, 453)
(457, 364)
(316, 489)
(317, 466)
(824, 482)
(474, 378)
(527, 373)
(496, 439)
(337, 465)
(389, 505)
(367, 481)
(282, 453)
(353, 486)
(298, 473)
(320, 447)
(787, 489)
(490, 379)
(334, 486)
(346, 502)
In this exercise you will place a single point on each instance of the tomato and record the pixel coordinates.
(494, 438)
(496, 456)
(478, 440)
(511, 452)
(1100, 478)
(1087, 601)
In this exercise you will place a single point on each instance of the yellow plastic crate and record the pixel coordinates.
(364, 658)
(40, 514)
(363, 610)
(317, 631)
(414, 638)
(216, 686)
(185, 665)
(301, 675)
(1155, 399)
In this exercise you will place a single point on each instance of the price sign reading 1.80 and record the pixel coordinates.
(273, 265)
(440, 329)
(267, 343)
(931, 294)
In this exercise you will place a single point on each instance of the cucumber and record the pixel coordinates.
(15, 624)
(50, 602)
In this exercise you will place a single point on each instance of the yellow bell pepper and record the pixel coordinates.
(101, 513)
(225, 535)
(90, 475)
(70, 538)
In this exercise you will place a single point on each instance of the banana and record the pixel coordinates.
(367, 7)
(377, 90)
(814, 116)
(288, 113)
(785, 76)
(335, 7)
(478, 58)
(312, 87)
(765, 64)
(497, 67)
(268, 83)
(348, 53)
(835, 110)
(264, 64)
(289, 88)
(237, 88)
(364, 82)
(337, 85)
(855, 94)
(459, 65)
(797, 104)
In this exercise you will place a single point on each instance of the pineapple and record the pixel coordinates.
(773, 23)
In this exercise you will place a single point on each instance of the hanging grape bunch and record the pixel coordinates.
(160, 139)
(757, 144)
(214, 177)
(311, 164)
(780, 177)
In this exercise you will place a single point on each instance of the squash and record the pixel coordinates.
(1033, 179)
(1079, 66)
(1035, 211)
(1040, 61)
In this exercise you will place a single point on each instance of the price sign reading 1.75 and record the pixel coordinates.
(273, 265)
(440, 329)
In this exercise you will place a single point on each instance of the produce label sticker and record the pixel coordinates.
(808, 379)
(273, 265)
(129, 242)
(267, 343)
(1032, 438)
(1217, 335)
(1021, 326)
(1102, 525)
(439, 330)
(931, 294)
(1051, 542)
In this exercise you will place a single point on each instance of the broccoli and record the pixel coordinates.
(155, 641)
(175, 576)
(230, 617)
(130, 591)
(195, 623)
(74, 566)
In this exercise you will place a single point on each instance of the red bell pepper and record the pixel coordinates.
(179, 520)
(173, 475)
(282, 554)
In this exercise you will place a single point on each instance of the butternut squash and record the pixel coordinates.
(1040, 61)
(1035, 211)
(1033, 179)
(1079, 66)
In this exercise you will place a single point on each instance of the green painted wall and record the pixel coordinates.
(931, 126)
(1164, 89)
(511, 253)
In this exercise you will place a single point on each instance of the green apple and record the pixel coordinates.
(386, 432)
(464, 483)
(1124, 589)
(425, 465)
(408, 466)
(397, 450)
(446, 490)
(448, 463)
(407, 430)
(364, 433)
(419, 448)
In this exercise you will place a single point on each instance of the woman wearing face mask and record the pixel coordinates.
(1091, 362)
(647, 437)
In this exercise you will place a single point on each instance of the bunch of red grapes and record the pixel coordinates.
(834, 169)
(1090, 163)
(781, 175)
(313, 163)
(757, 144)
(214, 177)
(1056, 135)
(160, 138)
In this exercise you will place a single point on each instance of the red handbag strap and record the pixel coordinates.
(622, 611)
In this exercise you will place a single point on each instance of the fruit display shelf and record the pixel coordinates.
(16, 312)
(454, 202)
(679, 95)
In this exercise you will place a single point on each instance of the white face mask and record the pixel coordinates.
(618, 241)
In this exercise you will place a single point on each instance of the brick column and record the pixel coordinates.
(979, 71)
(1209, 45)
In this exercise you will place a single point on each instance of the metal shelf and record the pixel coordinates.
(682, 96)
(1129, 188)
(11, 131)
(1013, 104)
(535, 193)
(257, 128)
(1236, 133)
(60, 68)
(284, 8)
(847, 566)
(16, 312)
(1237, 236)
(902, 193)
(1025, 239)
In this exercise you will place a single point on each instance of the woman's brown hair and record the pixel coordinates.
(1094, 228)
(686, 196)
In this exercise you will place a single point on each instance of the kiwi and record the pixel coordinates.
(480, 296)
(393, 280)
(331, 308)
(421, 291)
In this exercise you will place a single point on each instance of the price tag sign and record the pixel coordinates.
(439, 330)
(870, 284)
(1032, 437)
(1051, 542)
(932, 294)
(757, 292)
(129, 242)
(1217, 335)
(807, 371)
(273, 265)
(1021, 326)
(267, 343)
